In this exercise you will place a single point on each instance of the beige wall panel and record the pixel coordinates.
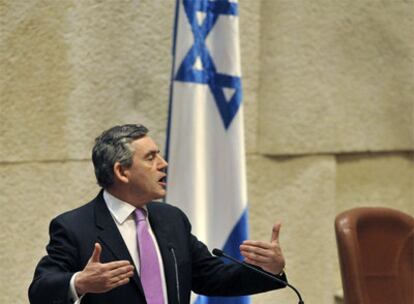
(122, 61)
(35, 79)
(73, 68)
(250, 58)
(336, 76)
(376, 180)
(30, 196)
(300, 192)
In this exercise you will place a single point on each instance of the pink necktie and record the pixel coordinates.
(149, 265)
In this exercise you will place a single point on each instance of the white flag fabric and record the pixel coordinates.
(205, 140)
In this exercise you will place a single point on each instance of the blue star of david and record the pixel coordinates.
(209, 76)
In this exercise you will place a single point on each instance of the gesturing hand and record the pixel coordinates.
(267, 255)
(99, 277)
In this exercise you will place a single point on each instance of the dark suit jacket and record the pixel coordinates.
(72, 238)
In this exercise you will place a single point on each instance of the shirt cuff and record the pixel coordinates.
(73, 295)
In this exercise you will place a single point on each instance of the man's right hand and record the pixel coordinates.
(99, 277)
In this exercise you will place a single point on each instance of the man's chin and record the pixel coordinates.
(161, 194)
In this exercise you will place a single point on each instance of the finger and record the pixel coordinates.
(116, 279)
(259, 244)
(116, 264)
(96, 254)
(276, 232)
(256, 258)
(256, 250)
(121, 270)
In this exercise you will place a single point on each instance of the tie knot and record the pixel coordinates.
(140, 214)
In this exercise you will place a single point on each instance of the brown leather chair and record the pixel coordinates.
(376, 255)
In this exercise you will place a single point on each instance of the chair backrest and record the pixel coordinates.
(376, 255)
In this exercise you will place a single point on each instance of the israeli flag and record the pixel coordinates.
(205, 141)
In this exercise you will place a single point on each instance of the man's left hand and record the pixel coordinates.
(267, 255)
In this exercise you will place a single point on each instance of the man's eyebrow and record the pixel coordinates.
(152, 152)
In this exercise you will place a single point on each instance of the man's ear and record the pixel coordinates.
(120, 173)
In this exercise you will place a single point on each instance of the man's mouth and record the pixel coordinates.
(163, 181)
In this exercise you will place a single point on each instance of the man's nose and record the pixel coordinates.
(162, 162)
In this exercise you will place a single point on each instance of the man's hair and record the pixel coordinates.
(114, 145)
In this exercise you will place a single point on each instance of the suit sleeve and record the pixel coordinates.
(53, 273)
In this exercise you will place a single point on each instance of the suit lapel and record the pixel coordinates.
(159, 227)
(108, 234)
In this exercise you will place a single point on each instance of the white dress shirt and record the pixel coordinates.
(124, 218)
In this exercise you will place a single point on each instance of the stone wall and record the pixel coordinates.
(329, 116)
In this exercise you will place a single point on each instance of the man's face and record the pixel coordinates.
(146, 174)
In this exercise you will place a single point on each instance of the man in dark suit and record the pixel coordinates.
(96, 253)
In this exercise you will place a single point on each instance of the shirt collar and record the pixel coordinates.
(119, 209)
